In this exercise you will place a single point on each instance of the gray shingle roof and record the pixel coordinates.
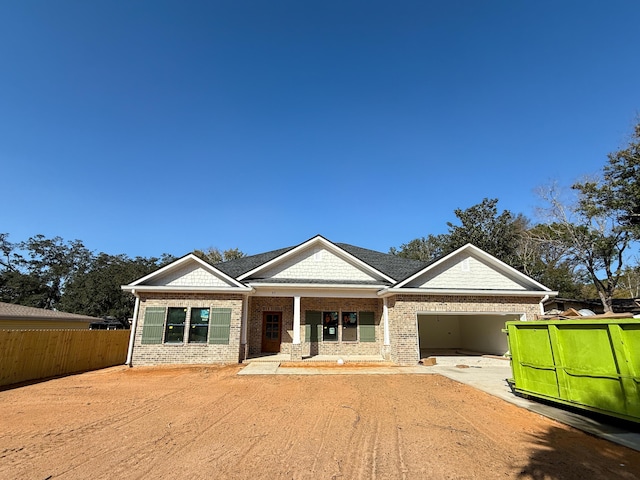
(393, 266)
(396, 267)
(235, 268)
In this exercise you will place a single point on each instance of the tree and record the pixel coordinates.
(424, 249)
(629, 284)
(97, 291)
(496, 234)
(481, 225)
(38, 275)
(591, 234)
(214, 255)
(547, 261)
(619, 192)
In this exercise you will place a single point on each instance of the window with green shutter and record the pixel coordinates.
(367, 327)
(153, 325)
(220, 326)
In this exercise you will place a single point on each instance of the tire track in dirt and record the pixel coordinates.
(170, 445)
(323, 438)
(55, 438)
(117, 422)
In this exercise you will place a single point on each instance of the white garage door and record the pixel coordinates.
(473, 332)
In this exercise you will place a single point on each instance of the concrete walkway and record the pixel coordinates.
(484, 373)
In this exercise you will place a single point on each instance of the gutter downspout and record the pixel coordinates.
(133, 329)
(544, 299)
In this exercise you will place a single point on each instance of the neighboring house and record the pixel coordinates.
(555, 306)
(558, 305)
(324, 298)
(19, 317)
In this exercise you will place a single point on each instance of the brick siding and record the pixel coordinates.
(403, 311)
(189, 353)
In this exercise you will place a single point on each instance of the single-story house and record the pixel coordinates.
(325, 298)
(557, 305)
(19, 317)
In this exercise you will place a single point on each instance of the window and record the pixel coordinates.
(330, 326)
(199, 328)
(349, 326)
(174, 331)
(367, 327)
(211, 326)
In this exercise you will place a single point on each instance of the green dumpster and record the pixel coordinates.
(590, 364)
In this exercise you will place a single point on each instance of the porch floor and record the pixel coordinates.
(285, 357)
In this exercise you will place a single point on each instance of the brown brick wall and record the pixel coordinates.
(403, 310)
(259, 305)
(186, 353)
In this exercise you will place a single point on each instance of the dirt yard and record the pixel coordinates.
(209, 423)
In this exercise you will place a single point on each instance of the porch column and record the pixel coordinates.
(296, 347)
(385, 321)
(243, 326)
(296, 320)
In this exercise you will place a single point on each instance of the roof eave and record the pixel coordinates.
(184, 289)
(323, 286)
(475, 292)
(327, 244)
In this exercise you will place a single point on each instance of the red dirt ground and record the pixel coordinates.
(207, 422)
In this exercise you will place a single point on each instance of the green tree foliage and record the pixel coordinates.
(54, 274)
(36, 271)
(629, 285)
(214, 255)
(617, 194)
(424, 248)
(495, 233)
(592, 235)
(97, 291)
(546, 261)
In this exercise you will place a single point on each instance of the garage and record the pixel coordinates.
(479, 333)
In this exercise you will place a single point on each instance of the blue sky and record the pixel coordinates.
(163, 126)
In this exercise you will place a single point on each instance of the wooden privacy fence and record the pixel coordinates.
(35, 354)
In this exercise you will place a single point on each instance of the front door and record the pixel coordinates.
(271, 327)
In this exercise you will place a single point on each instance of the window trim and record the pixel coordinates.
(205, 340)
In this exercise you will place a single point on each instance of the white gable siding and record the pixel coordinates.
(317, 264)
(466, 272)
(190, 275)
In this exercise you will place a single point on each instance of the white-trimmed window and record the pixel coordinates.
(168, 325)
(199, 325)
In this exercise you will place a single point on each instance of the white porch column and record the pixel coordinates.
(385, 321)
(245, 314)
(296, 320)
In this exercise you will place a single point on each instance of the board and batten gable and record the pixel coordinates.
(318, 263)
(467, 271)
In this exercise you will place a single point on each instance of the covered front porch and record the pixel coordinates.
(303, 328)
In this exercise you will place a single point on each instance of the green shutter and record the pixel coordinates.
(220, 326)
(367, 327)
(153, 325)
(313, 326)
